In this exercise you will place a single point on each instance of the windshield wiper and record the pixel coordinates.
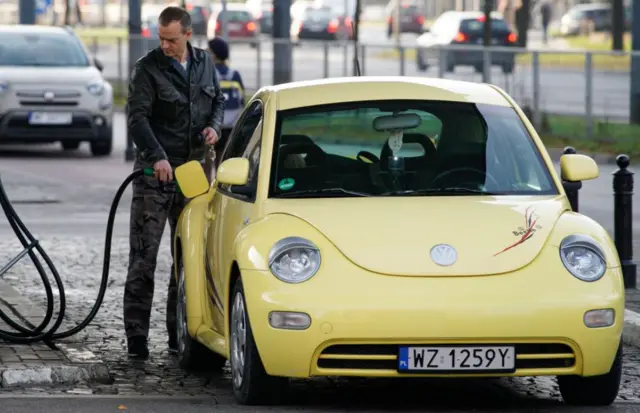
(441, 191)
(320, 193)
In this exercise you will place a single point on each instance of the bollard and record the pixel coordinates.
(572, 188)
(623, 219)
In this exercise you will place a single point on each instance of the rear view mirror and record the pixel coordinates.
(192, 179)
(575, 168)
(396, 122)
(98, 63)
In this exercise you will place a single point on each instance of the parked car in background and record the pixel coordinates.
(465, 28)
(586, 18)
(199, 19)
(265, 18)
(52, 90)
(321, 23)
(240, 22)
(411, 19)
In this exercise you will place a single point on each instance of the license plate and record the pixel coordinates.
(50, 118)
(457, 359)
(235, 26)
(316, 28)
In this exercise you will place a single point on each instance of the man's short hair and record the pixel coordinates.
(175, 14)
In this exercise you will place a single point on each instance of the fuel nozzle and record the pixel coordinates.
(149, 172)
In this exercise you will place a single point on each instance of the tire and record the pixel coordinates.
(251, 383)
(507, 68)
(420, 63)
(70, 145)
(104, 146)
(191, 354)
(593, 391)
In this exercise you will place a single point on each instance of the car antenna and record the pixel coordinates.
(354, 34)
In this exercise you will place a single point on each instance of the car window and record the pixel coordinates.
(252, 152)
(318, 13)
(245, 131)
(37, 49)
(476, 26)
(455, 145)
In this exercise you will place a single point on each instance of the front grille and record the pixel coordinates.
(23, 122)
(44, 103)
(385, 356)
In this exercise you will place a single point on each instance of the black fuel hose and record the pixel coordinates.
(40, 333)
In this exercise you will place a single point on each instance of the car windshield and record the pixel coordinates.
(476, 26)
(405, 148)
(318, 13)
(236, 15)
(36, 49)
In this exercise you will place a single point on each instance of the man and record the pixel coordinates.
(233, 88)
(545, 12)
(175, 111)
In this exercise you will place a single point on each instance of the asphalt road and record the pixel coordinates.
(562, 90)
(154, 404)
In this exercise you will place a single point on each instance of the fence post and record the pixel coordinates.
(572, 188)
(623, 219)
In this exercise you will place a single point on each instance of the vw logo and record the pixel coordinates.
(49, 95)
(444, 255)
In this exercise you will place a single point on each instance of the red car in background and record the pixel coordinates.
(240, 22)
(411, 19)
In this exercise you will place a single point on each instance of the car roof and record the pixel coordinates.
(472, 14)
(591, 6)
(366, 88)
(33, 29)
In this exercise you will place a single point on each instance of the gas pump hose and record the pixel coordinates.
(40, 333)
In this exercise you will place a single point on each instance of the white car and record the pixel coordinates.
(52, 90)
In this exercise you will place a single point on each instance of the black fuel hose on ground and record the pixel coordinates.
(40, 333)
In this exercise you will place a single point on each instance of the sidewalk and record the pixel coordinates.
(38, 365)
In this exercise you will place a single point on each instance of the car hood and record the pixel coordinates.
(491, 235)
(49, 75)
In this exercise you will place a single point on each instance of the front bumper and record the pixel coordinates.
(85, 126)
(359, 319)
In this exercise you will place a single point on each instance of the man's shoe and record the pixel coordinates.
(138, 347)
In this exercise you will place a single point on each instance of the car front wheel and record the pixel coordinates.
(192, 354)
(251, 383)
(593, 391)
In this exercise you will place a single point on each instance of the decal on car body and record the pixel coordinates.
(526, 232)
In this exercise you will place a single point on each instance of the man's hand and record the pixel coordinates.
(163, 171)
(210, 136)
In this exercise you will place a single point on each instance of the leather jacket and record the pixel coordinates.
(167, 110)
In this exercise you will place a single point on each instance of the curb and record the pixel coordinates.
(55, 375)
(631, 336)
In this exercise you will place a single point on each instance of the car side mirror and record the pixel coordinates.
(576, 167)
(98, 64)
(191, 179)
(233, 171)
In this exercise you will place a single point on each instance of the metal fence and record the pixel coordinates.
(589, 85)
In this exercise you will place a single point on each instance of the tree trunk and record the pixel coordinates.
(617, 25)
(523, 18)
(356, 37)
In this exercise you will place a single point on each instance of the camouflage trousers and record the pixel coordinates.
(153, 204)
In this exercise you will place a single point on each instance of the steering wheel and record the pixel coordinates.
(316, 157)
(367, 157)
(463, 170)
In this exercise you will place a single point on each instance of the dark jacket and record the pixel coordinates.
(167, 109)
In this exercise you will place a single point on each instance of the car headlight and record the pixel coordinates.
(294, 260)
(4, 86)
(583, 257)
(96, 88)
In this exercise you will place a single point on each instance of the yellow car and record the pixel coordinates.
(394, 227)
